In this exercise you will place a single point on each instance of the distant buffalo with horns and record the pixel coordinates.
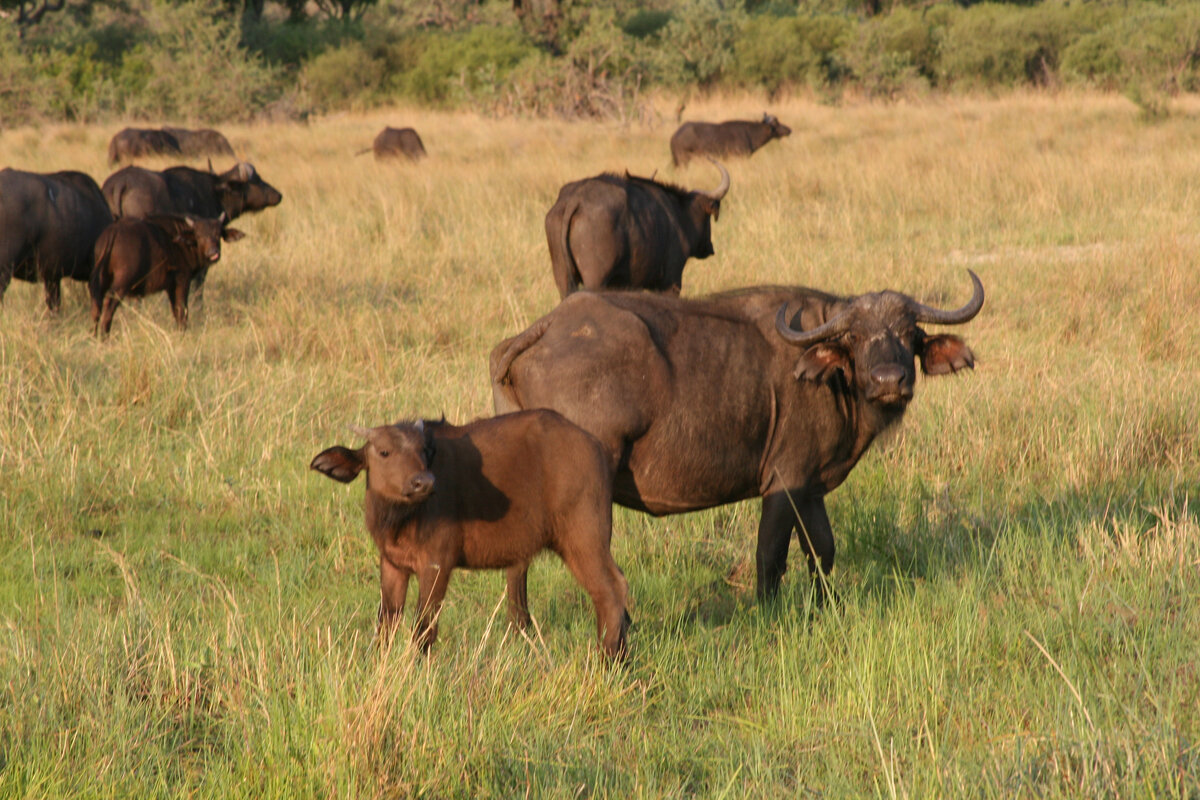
(629, 232)
(397, 143)
(48, 225)
(736, 138)
(768, 392)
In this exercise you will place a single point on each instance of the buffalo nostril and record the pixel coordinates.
(889, 374)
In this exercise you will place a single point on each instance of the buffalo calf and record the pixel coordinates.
(488, 495)
(132, 143)
(157, 254)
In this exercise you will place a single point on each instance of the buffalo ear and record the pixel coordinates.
(339, 463)
(711, 207)
(821, 360)
(944, 353)
(231, 234)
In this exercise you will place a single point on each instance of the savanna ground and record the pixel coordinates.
(186, 609)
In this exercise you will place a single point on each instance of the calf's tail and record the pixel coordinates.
(504, 394)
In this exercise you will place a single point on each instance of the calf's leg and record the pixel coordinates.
(179, 301)
(587, 555)
(432, 581)
(518, 597)
(393, 591)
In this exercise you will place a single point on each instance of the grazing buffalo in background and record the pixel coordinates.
(488, 495)
(397, 142)
(608, 232)
(132, 143)
(772, 392)
(48, 225)
(157, 254)
(738, 138)
(201, 142)
(139, 192)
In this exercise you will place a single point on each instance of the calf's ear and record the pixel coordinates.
(820, 361)
(944, 353)
(231, 234)
(340, 463)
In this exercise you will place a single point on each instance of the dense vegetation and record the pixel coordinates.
(215, 60)
(186, 610)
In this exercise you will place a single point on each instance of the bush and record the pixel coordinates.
(455, 66)
(344, 77)
(697, 44)
(810, 49)
(992, 45)
(896, 53)
(1155, 48)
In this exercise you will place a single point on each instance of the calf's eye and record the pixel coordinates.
(385, 453)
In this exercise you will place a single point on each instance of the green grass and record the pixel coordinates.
(187, 610)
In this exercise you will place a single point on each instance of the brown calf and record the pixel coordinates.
(156, 254)
(491, 494)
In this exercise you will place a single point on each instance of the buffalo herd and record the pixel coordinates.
(625, 392)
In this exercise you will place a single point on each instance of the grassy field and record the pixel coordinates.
(187, 610)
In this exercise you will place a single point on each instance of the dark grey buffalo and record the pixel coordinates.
(134, 143)
(203, 142)
(735, 138)
(772, 392)
(614, 232)
(138, 192)
(48, 225)
(397, 143)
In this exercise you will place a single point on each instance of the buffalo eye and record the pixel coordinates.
(385, 453)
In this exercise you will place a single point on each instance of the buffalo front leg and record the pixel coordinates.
(179, 302)
(518, 596)
(432, 581)
(53, 293)
(816, 534)
(774, 537)
(393, 591)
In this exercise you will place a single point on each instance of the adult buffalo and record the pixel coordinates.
(48, 226)
(131, 143)
(611, 232)
(397, 143)
(138, 192)
(735, 138)
(203, 142)
(772, 392)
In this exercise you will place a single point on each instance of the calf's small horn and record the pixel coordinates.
(926, 313)
(360, 430)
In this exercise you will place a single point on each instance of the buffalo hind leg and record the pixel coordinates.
(179, 302)
(774, 537)
(111, 301)
(518, 596)
(816, 535)
(593, 566)
(393, 592)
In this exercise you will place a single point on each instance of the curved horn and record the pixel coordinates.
(720, 191)
(926, 313)
(243, 171)
(360, 430)
(830, 329)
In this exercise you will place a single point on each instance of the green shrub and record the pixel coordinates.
(1155, 46)
(697, 44)
(998, 45)
(345, 76)
(773, 51)
(456, 65)
(646, 23)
